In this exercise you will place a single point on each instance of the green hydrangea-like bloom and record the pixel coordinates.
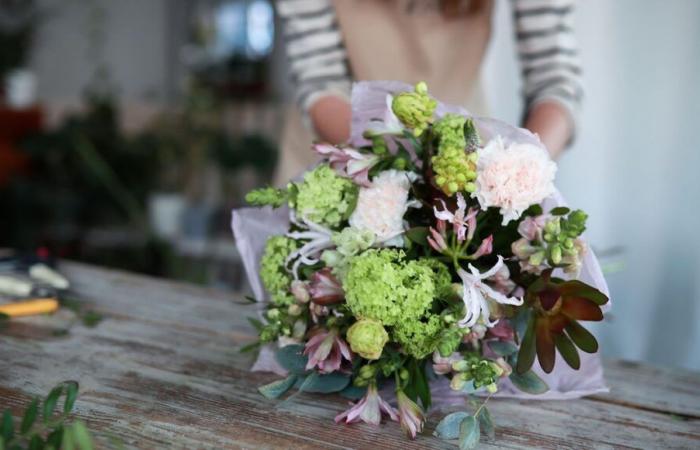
(266, 196)
(350, 241)
(272, 271)
(415, 109)
(455, 169)
(324, 197)
(367, 338)
(382, 285)
(442, 277)
(419, 338)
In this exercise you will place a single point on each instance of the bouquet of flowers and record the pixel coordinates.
(433, 246)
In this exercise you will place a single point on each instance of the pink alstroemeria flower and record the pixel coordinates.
(502, 330)
(411, 415)
(369, 409)
(485, 248)
(326, 351)
(349, 162)
(325, 289)
(463, 222)
(437, 240)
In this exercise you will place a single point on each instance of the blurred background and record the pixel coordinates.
(128, 130)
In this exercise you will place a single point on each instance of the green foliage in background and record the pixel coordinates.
(47, 424)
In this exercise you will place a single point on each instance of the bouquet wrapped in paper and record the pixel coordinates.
(428, 259)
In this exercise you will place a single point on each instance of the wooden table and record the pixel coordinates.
(163, 371)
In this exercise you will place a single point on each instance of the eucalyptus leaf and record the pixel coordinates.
(325, 384)
(582, 337)
(71, 396)
(29, 416)
(486, 421)
(277, 388)
(503, 348)
(291, 357)
(529, 382)
(448, 428)
(353, 392)
(469, 433)
(50, 402)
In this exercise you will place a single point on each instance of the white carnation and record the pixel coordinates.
(381, 206)
(513, 178)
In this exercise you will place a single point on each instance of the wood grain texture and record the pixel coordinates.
(163, 371)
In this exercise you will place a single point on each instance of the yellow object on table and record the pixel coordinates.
(30, 307)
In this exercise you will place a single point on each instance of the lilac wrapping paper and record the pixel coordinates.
(252, 226)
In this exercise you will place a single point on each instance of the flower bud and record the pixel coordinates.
(300, 292)
(492, 388)
(460, 366)
(403, 374)
(368, 372)
(367, 338)
(458, 382)
(299, 329)
(537, 258)
(273, 313)
(556, 254)
(294, 310)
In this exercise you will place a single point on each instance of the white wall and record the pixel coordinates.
(635, 166)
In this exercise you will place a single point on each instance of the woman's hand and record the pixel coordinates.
(552, 123)
(330, 117)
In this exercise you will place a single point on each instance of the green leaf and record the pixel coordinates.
(469, 433)
(582, 337)
(250, 347)
(325, 384)
(526, 356)
(291, 357)
(36, 443)
(277, 388)
(567, 350)
(71, 396)
(91, 319)
(353, 392)
(255, 323)
(50, 402)
(29, 416)
(560, 211)
(448, 428)
(68, 439)
(419, 235)
(486, 421)
(7, 432)
(2, 443)
(82, 435)
(417, 387)
(55, 438)
(529, 382)
(576, 288)
(503, 348)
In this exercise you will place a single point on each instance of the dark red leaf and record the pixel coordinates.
(581, 309)
(545, 345)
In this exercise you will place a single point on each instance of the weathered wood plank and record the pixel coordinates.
(162, 370)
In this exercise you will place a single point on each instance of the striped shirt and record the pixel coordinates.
(546, 46)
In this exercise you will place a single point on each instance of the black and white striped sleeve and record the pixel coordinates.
(315, 50)
(548, 53)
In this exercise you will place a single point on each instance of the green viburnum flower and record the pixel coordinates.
(350, 241)
(442, 277)
(367, 338)
(382, 285)
(415, 109)
(419, 338)
(266, 196)
(449, 341)
(455, 169)
(273, 273)
(324, 197)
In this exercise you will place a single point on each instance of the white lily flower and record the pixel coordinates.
(461, 220)
(319, 238)
(389, 124)
(476, 293)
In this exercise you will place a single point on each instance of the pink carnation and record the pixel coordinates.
(513, 178)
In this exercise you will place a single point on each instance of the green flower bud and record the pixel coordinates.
(403, 374)
(460, 366)
(399, 164)
(294, 310)
(360, 382)
(492, 388)
(537, 258)
(556, 253)
(568, 243)
(273, 313)
(415, 109)
(299, 329)
(367, 338)
(368, 372)
(458, 382)
(379, 145)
